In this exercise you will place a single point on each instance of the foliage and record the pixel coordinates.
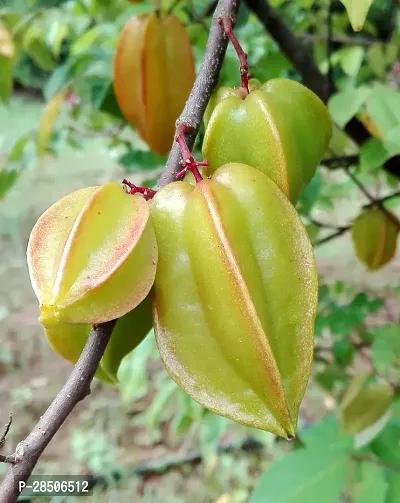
(65, 50)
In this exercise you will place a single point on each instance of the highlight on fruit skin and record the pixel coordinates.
(69, 340)
(281, 128)
(92, 256)
(374, 237)
(153, 76)
(237, 335)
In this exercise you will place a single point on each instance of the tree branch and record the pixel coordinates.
(77, 386)
(74, 390)
(301, 58)
(205, 82)
(340, 162)
(372, 199)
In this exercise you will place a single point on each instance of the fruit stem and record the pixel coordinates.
(187, 159)
(131, 188)
(226, 23)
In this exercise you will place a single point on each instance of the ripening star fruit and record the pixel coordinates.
(237, 333)
(153, 76)
(281, 128)
(374, 236)
(69, 340)
(92, 256)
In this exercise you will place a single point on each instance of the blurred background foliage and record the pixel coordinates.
(61, 129)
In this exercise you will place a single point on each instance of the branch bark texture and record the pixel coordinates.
(74, 390)
(204, 85)
(77, 386)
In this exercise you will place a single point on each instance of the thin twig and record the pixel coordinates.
(370, 197)
(74, 390)
(340, 230)
(334, 235)
(77, 386)
(324, 225)
(340, 162)
(205, 82)
(6, 430)
(383, 199)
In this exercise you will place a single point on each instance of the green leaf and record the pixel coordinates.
(351, 59)
(7, 180)
(326, 432)
(109, 103)
(310, 194)
(387, 445)
(364, 404)
(368, 434)
(383, 106)
(392, 140)
(377, 60)
(7, 60)
(373, 486)
(344, 105)
(357, 11)
(6, 81)
(137, 160)
(40, 53)
(56, 35)
(373, 154)
(17, 151)
(343, 352)
(386, 347)
(393, 490)
(316, 475)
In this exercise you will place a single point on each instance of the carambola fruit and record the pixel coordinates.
(69, 340)
(153, 76)
(374, 236)
(281, 128)
(92, 256)
(235, 296)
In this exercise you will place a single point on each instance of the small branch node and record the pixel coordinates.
(188, 162)
(131, 188)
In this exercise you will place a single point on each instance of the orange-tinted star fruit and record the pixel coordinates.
(374, 236)
(153, 76)
(92, 256)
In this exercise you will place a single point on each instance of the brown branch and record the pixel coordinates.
(334, 235)
(340, 162)
(340, 39)
(7, 427)
(205, 82)
(299, 54)
(372, 199)
(77, 386)
(342, 230)
(74, 390)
